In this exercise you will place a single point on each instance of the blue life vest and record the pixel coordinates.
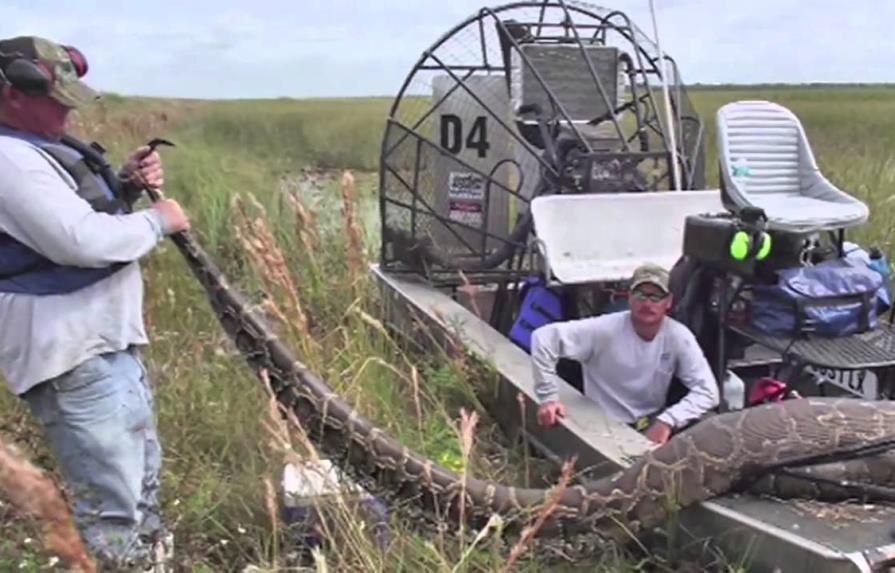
(22, 269)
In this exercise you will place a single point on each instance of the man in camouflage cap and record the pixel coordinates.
(628, 360)
(64, 66)
(71, 297)
(652, 274)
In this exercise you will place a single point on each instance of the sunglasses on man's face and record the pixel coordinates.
(650, 296)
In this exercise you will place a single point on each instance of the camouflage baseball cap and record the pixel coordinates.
(64, 64)
(650, 273)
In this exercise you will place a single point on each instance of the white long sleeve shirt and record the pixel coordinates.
(627, 376)
(44, 336)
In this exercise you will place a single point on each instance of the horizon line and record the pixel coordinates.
(695, 86)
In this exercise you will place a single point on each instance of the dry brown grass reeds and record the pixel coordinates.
(129, 125)
(468, 423)
(253, 232)
(340, 518)
(306, 225)
(526, 465)
(529, 533)
(355, 245)
(306, 229)
(35, 494)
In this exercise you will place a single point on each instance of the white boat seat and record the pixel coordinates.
(767, 162)
(603, 237)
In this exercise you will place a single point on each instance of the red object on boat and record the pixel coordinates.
(768, 390)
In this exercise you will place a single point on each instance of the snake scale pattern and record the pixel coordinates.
(842, 439)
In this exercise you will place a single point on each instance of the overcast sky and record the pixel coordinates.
(304, 48)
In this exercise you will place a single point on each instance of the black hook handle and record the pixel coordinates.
(155, 194)
(153, 143)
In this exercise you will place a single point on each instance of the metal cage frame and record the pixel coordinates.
(489, 255)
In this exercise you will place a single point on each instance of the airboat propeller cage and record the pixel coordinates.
(518, 101)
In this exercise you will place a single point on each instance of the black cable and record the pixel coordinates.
(849, 454)
(817, 459)
(878, 492)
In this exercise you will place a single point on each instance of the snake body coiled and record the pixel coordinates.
(722, 454)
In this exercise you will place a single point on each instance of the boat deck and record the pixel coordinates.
(872, 349)
(768, 534)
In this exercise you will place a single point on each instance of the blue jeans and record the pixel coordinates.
(98, 419)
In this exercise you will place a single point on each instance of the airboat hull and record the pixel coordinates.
(763, 534)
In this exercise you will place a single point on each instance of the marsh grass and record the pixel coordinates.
(263, 184)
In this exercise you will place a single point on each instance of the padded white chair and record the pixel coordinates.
(767, 162)
(602, 237)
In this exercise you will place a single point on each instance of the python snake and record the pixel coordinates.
(721, 454)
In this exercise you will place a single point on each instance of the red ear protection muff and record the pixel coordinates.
(31, 76)
(78, 59)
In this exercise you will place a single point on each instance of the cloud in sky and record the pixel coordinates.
(305, 48)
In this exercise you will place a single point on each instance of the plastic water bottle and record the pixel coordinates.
(740, 173)
(880, 264)
(733, 392)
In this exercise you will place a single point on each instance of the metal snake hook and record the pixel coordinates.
(156, 194)
(180, 238)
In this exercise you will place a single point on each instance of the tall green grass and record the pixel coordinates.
(213, 413)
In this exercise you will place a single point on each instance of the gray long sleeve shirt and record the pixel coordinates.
(627, 376)
(44, 336)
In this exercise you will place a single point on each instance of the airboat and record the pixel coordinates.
(552, 145)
